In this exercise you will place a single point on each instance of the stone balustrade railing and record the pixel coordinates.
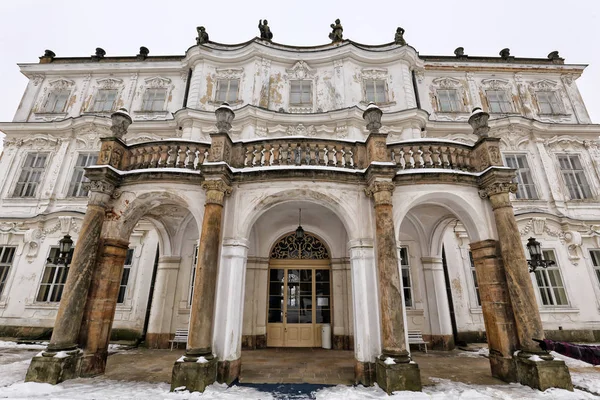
(432, 154)
(167, 154)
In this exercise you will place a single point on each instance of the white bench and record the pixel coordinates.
(181, 336)
(416, 337)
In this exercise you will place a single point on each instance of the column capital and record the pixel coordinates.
(381, 191)
(216, 190)
(498, 193)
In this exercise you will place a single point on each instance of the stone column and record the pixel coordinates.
(496, 185)
(395, 371)
(47, 368)
(198, 367)
(438, 308)
(99, 314)
(229, 309)
(163, 302)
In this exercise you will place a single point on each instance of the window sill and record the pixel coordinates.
(301, 109)
(147, 115)
(42, 306)
(476, 310)
(19, 200)
(100, 113)
(123, 307)
(558, 309)
(48, 116)
(414, 311)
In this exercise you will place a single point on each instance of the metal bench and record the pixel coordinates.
(181, 336)
(416, 337)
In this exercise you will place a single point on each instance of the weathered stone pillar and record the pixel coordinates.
(163, 302)
(496, 184)
(395, 370)
(199, 367)
(497, 310)
(437, 303)
(48, 368)
(94, 334)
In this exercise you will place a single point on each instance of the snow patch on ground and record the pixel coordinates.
(483, 352)
(572, 362)
(589, 381)
(14, 345)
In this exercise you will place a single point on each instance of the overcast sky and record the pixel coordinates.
(530, 28)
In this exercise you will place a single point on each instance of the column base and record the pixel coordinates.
(193, 376)
(93, 364)
(228, 371)
(543, 374)
(503, 368)
(364, 373)
(396, 377)
(53, 367)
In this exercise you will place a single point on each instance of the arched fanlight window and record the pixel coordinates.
(308, 247)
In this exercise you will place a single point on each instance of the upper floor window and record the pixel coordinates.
(595, 262)
(31, 175)
(76, 188)
(448, 100)
(375, 91)
(548, 102)
(498, 101)
(475, 283)
(125, 276)
(227, 90)
(57, 101)
(406, 278)
(550, 283)
(105, 100)
(526, 188)
(301, 93)
(7, 254)
(53, 280)
(572, 172)
(154, 99)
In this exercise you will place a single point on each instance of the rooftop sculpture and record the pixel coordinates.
(336, 33)
(202, 35)
(399, 37)
(265, 31)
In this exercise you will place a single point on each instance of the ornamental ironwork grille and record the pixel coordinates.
(308, 247)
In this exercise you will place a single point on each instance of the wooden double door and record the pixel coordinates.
(299, 301)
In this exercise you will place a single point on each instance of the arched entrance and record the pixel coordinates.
(299, 286)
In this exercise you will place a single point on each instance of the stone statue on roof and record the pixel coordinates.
(265, 31)
(202, 35)
(399, 37)
(336, 33)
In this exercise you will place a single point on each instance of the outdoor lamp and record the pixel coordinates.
(535, 252)
(373, 117)
(225, 116)
(65, 244)
(299, 230)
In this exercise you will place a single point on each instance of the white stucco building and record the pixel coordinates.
(298, 143)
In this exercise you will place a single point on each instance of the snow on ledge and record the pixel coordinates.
(389, 361)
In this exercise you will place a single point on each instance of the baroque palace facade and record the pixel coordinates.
(299, 205)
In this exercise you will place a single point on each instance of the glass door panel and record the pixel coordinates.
(276, 284)
(323, 295)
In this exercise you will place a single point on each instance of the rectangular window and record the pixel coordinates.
(227, 90)
(53, 280)
(57, 101)
(448, 100)
(550, 283)
(154, 99)
(406, 278)
(125, 276)
(375, 91)
(31, 175)
(193, 275)
(526, 188)
(498, 101)
(548, 103)
(7, 254)
(572, 172)
(76, 188)
(595, 262)
(301, 93)
(105, 100)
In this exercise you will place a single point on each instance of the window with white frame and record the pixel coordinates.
(301, 93)
(104, 100)
(406, 278)
(7, 255)
(375, 91)
(57, 101)
(154, 99)
(572, 172)
(193, 275)
(125, 276)
(227, 90)
(448, 100)
(53, 279)
(31, 175)
(550, 282)
(76, 187)
(595, 262)
(526, 187)
(498, 101)
(548, 102)
(475, 283)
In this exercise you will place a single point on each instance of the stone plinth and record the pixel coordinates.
(48, 368)
(228, 371)
(396, 377)
(194, 376)
(543, 374)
